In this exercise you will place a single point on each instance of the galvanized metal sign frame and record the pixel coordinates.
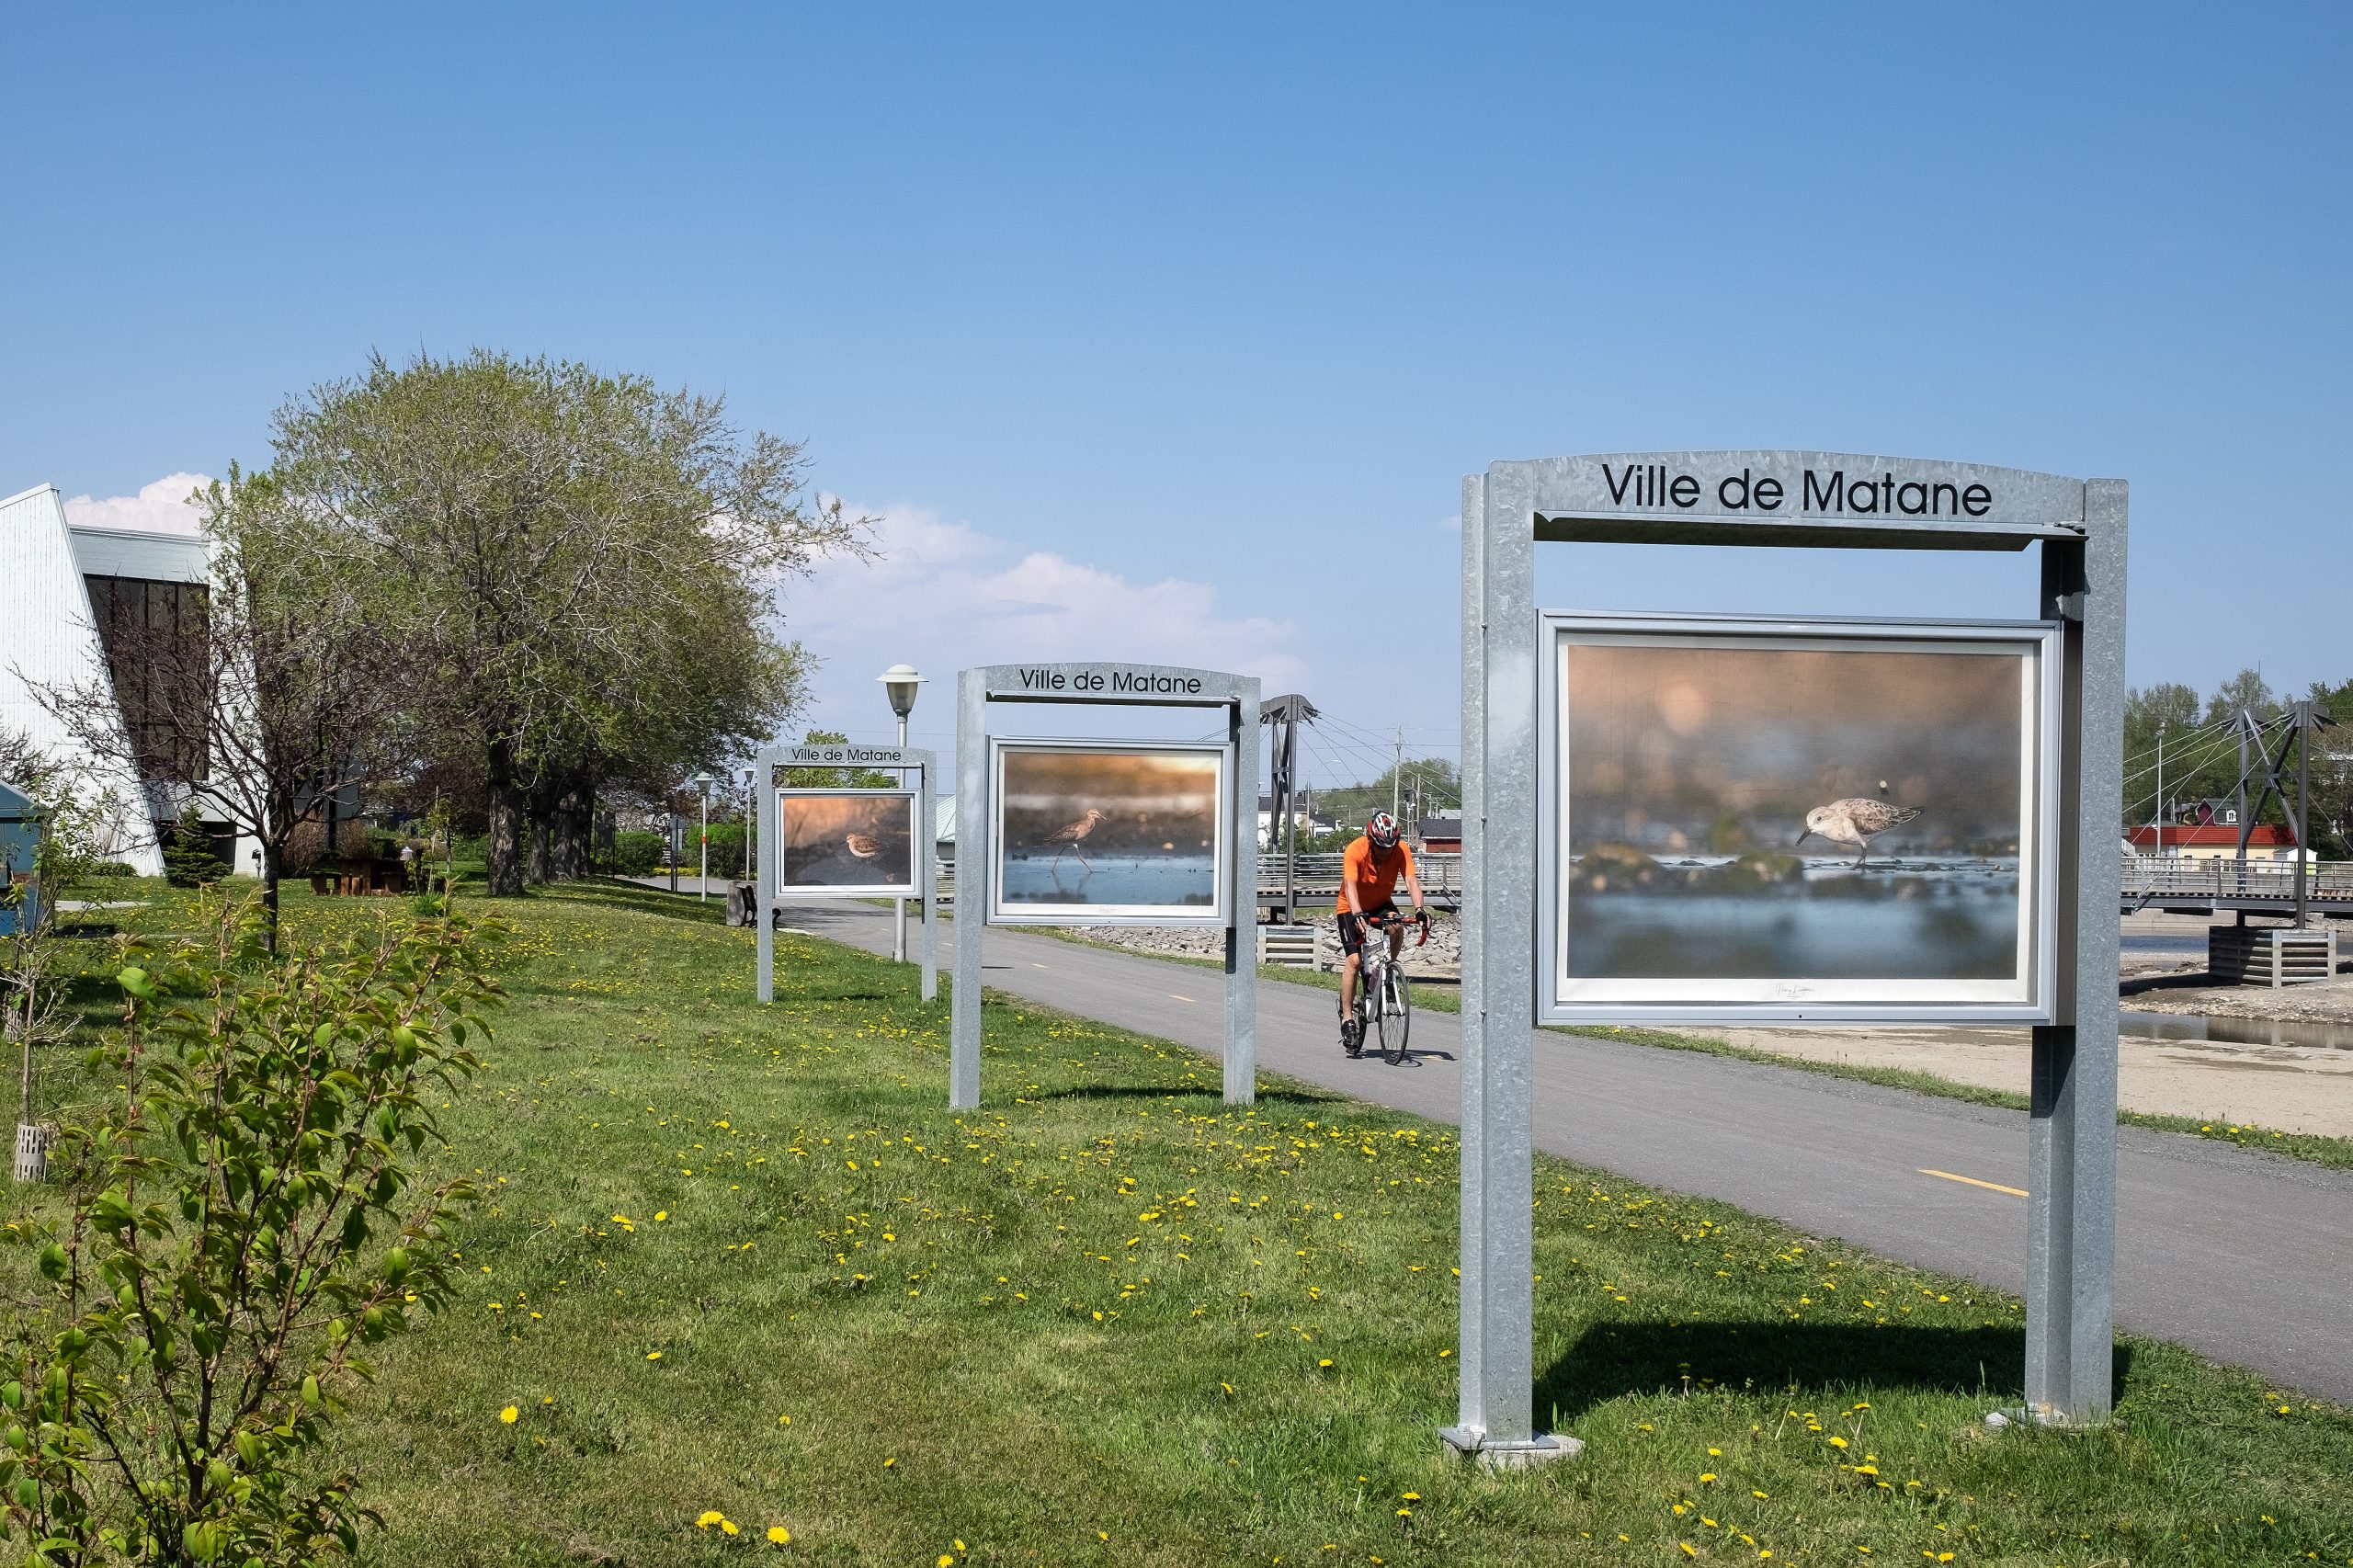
(902, 760)
(1800, 499)
(1156, 685)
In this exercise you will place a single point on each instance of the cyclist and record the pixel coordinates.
(1369, 874)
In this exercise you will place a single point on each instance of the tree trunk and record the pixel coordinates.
(502, 855)
(273, 861)
(535, 868)
(568, 855)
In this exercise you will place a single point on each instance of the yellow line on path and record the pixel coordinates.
(1972, 1181)
(1174, 997)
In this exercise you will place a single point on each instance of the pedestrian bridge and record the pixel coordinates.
(1315, 880)
(2179, 885)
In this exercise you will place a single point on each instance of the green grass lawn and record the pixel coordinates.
(742, 1261)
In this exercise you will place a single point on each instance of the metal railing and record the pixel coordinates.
(1314, 875)
(2151, 876)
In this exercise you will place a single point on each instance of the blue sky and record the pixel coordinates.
(1169, 333)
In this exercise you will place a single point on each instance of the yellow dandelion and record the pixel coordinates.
(708, 1517)
(729, 1527)
(778, 1535)
(946, 1559)
(510, 1415)
(654, 1355)
(660, 1215)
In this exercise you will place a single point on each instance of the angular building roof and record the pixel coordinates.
(51, 638)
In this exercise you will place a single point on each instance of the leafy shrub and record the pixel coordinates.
(726, 849)
(632, 854)
(241, 1227)
(110, 868)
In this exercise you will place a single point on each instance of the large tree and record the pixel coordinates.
(582, 563)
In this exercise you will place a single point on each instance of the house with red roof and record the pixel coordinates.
(2212, 841)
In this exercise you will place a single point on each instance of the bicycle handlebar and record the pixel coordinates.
(1382, 918)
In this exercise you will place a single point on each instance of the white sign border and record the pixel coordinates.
(919, 845)
(1835, 1001)
(1217, 913)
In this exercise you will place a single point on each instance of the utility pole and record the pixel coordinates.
(2306, 716)
(1397, 772)
(2158, 811)
(1286, 713)
(2246, 722)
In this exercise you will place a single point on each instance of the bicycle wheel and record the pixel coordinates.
(1396, 1015)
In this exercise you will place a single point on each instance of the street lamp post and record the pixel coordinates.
(702, 783)
(900, 681)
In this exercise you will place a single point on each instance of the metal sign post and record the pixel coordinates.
(1128, 684)
(1802, 499)
(773, 764)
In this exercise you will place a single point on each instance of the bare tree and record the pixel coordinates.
(262, 694)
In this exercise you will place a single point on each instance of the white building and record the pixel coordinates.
(73, 587)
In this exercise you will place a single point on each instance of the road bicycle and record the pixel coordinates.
(1384, 1001)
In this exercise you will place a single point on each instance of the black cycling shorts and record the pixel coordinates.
(1352, 925)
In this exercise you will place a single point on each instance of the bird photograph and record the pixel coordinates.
(1855, 821)
(1070, 835)
(1838, 810)
(1104, 828)
(846, 839)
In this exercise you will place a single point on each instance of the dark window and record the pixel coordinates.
(153, 635)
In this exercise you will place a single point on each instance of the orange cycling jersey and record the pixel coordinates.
(1375, 877)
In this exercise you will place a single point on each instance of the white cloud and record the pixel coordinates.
(160, 508)
(943, 595)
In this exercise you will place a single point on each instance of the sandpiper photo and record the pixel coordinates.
(1797, 818)
(1126, 831)
(849, 840)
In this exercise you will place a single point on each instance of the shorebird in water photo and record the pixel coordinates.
(863, 845)
(1855, 820)
(1069, 837)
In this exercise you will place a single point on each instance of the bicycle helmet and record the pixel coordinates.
(1383, 830)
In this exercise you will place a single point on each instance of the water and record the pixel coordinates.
(1694, 919)
(2239, 1031)
(1164, 882)
(833, 865)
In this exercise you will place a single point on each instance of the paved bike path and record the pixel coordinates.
(2248, 1258)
